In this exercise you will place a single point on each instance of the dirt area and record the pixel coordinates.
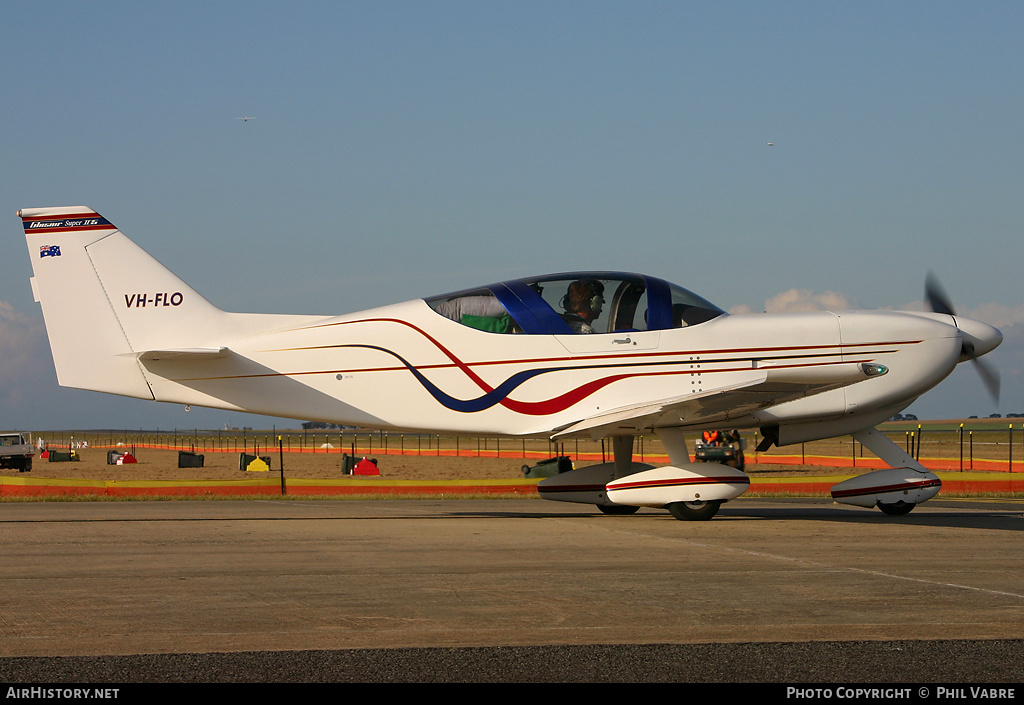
(156, 464)
(305, 457)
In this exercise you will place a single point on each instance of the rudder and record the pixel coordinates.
(105, 300)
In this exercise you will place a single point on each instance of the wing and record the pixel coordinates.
(765, 388)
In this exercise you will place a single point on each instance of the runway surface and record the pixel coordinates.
(524, 590)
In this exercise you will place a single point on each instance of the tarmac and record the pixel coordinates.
(510, 590)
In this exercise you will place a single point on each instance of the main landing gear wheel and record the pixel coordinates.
(617, 509)
(693, 511)
(898, 509)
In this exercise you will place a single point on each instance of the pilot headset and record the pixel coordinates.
(591, 300)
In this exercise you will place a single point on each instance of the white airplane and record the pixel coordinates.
(512, 359)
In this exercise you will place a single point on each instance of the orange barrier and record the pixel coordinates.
(22, 487)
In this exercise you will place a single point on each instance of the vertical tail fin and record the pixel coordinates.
(104, 300)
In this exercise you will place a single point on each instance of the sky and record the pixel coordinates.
(766, 155)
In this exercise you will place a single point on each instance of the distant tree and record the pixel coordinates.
(904, 417)
(314, 425)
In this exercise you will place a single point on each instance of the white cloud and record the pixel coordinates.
(1002, 316)
(999, 315)
(799, 300)
(24, 359)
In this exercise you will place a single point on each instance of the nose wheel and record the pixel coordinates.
(693, 511)
(617, 509)
(898, 509)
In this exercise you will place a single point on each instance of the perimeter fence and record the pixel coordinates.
(988, 447)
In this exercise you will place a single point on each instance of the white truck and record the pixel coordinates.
(15, 453)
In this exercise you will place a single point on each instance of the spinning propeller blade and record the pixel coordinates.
(939, 302)
(936, 296)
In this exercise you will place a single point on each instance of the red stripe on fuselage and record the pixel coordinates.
(573, 396)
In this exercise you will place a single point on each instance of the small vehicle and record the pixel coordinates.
(725, 447)
(15, 453)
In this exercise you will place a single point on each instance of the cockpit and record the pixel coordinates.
(578, 302)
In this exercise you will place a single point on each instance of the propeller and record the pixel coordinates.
(936, 296)
(939, 302)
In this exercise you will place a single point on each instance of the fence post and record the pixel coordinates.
(961, 447)
(1010, 461)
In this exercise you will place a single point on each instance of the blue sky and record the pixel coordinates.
(402, 149)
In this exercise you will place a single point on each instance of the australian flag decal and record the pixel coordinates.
(49, 251)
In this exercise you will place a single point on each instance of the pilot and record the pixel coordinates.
(582, 303)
